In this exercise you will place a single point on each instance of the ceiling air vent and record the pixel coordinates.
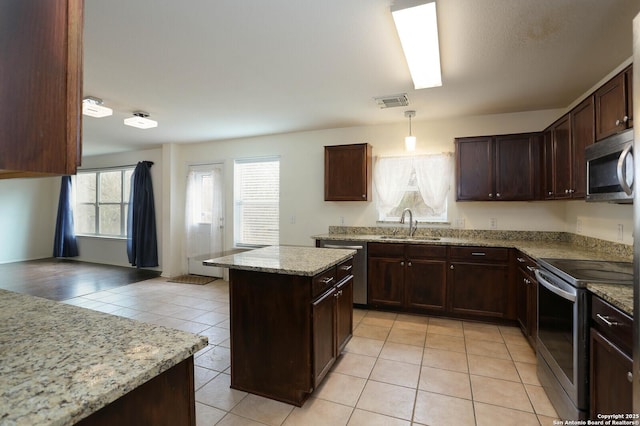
(392, 101)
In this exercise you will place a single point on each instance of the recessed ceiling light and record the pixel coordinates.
(140, 120)
(93, 108)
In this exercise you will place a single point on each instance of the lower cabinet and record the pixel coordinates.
(288, 330)
(479, 282)
(611, 363)
(526, 297)
(470, 282)
(407, 276)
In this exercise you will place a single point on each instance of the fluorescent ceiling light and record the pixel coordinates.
(417, 28)
(93, 108)
(140, 121)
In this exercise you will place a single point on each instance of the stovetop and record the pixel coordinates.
(579, 272)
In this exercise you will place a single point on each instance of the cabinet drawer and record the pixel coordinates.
(526, 264)
(415, 251)
(479, 254)
(612, 323)
(322, 282)
(385, 250)
(344, 269)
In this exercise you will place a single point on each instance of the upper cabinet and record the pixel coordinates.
(347, 172)
(498, 168)
(613, 103)
(41, 87)
(582, 135)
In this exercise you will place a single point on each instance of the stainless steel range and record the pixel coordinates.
(563, 328)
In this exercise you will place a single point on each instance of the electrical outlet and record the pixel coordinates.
(579, 226)
(493, 223)
(620, 232)
(341, 220)
(460, 223)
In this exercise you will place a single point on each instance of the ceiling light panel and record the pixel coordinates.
(417, 28)
(140, 120)
(93, 108)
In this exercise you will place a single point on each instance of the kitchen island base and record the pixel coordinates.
(287, 330)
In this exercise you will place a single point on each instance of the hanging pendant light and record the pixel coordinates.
(410, 141)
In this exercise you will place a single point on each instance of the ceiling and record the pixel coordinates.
(212, 70)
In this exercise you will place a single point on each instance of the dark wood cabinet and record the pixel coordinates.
(526, 297)
(478, 282)
(611, 363)
(613, 105)
(469, 282)
(411, 277)
(40, 116)
(558, 161)
(347, 172)
(500, 168)
(295, 325)
(582, 135)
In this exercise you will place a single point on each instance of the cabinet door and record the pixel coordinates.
(611, 113)
(40, 116)
(386, 281)
(561, 139)
(478, 289)
(582, 135)
(628, 74)
(517, 167)
(344, 313)
(425, 284)
(611, 391)
(323, 312)
(347, 172)
(548, 159)
(474, 168)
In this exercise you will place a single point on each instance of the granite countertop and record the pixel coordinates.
(59, 363)
(288, 260)
(533, 248)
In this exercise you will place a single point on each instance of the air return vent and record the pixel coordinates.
(392, 101)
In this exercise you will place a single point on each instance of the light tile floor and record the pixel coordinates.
(397, 369)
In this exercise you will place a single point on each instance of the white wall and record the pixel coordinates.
(28, 209)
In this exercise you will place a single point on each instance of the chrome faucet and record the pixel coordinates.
(412, 226)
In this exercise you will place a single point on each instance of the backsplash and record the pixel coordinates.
(618, 249)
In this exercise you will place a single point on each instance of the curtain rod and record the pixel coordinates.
(124, 166)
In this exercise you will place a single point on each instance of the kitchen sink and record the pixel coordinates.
(405, 237)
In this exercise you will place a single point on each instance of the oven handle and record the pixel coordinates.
(335, 246)
(551, 287)
(621, 170)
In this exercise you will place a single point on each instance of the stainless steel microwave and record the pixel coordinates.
(610, 169)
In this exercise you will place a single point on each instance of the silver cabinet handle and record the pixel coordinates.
(346, 267)
(478, 253)
(530, 268)
(409, 264)
(402, 263)
(526, 281)
(326, 280)
(451, 267)
(491, 195)
(519, 259)
(606, 320)
(624, 120)
(630, 376)
(498, 195)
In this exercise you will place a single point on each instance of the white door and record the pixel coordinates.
(204, 217)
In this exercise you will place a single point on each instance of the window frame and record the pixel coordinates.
(237, 204)
(123, 204)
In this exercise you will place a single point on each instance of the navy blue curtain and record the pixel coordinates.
(142, 244)
(64, 243)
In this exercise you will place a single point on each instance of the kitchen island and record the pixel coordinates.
(291, 316)
(62, 365)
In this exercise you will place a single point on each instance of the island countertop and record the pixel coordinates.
(288, 260)
(60, 363)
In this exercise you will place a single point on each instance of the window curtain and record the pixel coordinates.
(142, 244)
(65, 244)
(433, 175)
(203, 237)
(390, 177)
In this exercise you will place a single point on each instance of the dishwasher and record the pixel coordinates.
(359, 266)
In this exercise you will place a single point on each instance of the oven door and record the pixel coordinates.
(562, 335)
